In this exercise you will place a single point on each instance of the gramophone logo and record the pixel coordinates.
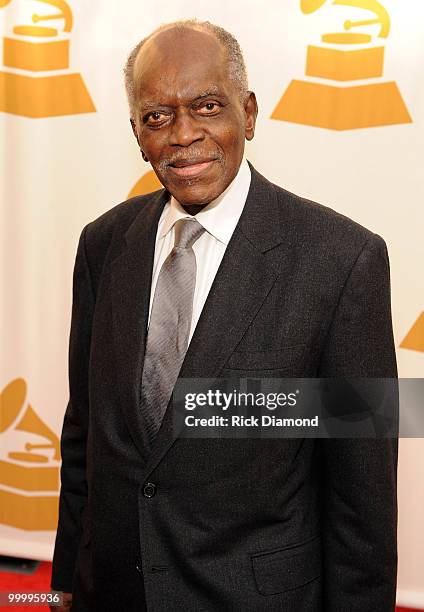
(36, 81)
(335, 101)
(149, 182)
(29, 463)
(414, 339)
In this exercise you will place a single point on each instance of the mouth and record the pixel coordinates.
(189, 168)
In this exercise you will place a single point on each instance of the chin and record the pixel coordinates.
(195, 195)
(193, 192)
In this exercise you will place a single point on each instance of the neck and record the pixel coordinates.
(193, 209)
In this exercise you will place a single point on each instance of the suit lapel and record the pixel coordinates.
(245, 277)
(130, 294)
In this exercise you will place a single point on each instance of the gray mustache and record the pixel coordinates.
(192, 157)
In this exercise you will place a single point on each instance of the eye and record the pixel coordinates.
(154, 118)
(209, 108)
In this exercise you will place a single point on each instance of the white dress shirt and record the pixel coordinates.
(219, 218)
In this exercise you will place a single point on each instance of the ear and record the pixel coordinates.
(134, 129)
(251, 111)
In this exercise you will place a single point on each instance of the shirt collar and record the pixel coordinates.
(220, 216)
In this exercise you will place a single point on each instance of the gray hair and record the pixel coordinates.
(236, 65)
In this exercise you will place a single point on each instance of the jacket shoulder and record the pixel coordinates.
(106, 233)
(321, 227)
(120, 217)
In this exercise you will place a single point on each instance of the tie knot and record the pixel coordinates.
(187, 231)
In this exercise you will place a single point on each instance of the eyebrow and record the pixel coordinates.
(213, 90)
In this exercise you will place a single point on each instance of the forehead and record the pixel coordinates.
(178, 64)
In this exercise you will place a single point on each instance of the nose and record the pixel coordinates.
(185, 129)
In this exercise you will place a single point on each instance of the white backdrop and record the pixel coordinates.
(78, 158)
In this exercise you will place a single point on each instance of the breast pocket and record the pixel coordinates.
(283, 359)
(287, 568)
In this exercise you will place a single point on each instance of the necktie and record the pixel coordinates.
(169, 328)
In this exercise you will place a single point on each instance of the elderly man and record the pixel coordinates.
(221, 273)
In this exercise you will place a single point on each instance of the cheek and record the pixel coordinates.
(234, 138)
(151, 144)
(233, 146)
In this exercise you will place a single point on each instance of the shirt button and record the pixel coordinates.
(149, 489)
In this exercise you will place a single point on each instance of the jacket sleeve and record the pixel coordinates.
(359, 486)
(73, 494)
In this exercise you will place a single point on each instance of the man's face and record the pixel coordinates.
(190, 123)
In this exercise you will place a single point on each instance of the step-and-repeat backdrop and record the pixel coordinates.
(340, 91)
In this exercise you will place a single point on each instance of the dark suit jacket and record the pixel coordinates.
(300, 525)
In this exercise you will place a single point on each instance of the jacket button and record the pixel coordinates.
(138, 568)
(149, 489)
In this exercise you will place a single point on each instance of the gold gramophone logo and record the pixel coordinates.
(41, 49)
(29, 463)
(335, 101)
(414, 339)
(146, 184)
